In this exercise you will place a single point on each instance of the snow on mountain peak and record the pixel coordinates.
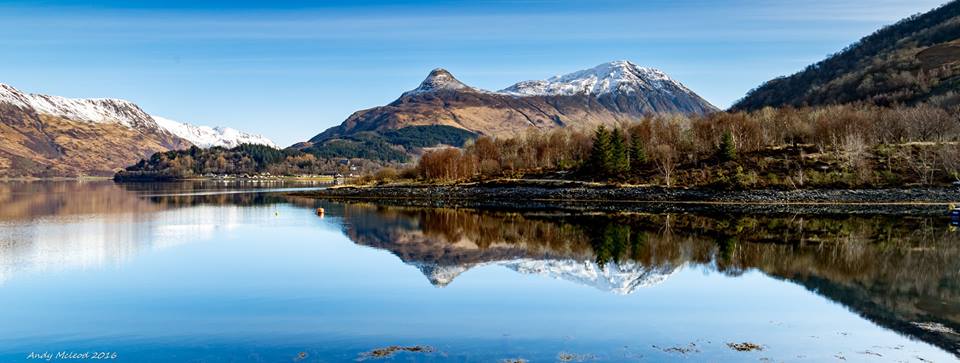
(206, 136)
(99, 110)
(439, 79)
(126, 113)
(617, 76)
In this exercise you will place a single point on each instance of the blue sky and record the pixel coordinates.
(289, 70)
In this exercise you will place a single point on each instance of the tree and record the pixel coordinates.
(666, 159)
(638, 154)
(728, 150)
(921, 162)
(601, 154)
(619, 159)
(950, 159)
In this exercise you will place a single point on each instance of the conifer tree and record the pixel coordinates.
(601, 154)
(728, 150)
(638, 154)
(619, 159)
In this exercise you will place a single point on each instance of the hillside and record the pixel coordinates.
(52, 136)
(74, 138)
(447, 111)
(915, 60)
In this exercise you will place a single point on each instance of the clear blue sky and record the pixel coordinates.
(289, 70)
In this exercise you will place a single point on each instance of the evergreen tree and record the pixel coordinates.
(619, 159)
(601, 155)
(728, 150)
(638, 154)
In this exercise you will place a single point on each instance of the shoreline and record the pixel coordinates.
(55, 178)
(586, 197)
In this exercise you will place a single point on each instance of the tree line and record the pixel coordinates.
(249, 159)
(845, 145)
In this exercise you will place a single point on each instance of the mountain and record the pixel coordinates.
(206, 136)
(614, 79)
(49, 136)
(447, 111)
(915, 60)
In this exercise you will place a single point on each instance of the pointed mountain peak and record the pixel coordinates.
(439, 72)
(440, 79)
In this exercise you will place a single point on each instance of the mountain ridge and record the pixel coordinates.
(51, 136)
(211, 136)
(608, 94)
(605, 78)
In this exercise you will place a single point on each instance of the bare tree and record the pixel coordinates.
(853, 151)
(950, 160)
(665, 156)
(926, 123)
(921, 162)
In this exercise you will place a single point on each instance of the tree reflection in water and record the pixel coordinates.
(896, 271)
(900, 272)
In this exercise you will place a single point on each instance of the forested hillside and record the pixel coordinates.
(915, 60)
(244, 159)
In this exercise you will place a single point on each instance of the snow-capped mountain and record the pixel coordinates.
(613, 77)
(97, 110)
(206, 136)
(126, 113)
(608, 94)
(43, 135)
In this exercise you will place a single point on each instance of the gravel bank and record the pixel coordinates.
(918, 201)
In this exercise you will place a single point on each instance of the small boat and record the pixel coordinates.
(954, 211)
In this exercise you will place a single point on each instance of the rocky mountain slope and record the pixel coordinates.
(604, 95)
(914, 60)
(48, 136)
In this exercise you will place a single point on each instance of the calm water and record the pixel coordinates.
(209, 272)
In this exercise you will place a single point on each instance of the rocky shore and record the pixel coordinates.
(583, 197)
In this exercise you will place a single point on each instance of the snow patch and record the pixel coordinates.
(439, 79)
(126, 113)
(613, 77)
(97, 110)
(206, 136)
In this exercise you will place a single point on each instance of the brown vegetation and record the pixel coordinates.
(33, 145)
(838, 146)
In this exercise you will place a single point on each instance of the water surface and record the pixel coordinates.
(211, 272)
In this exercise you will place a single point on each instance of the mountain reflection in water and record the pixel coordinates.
(898, 272)
(902, 273)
